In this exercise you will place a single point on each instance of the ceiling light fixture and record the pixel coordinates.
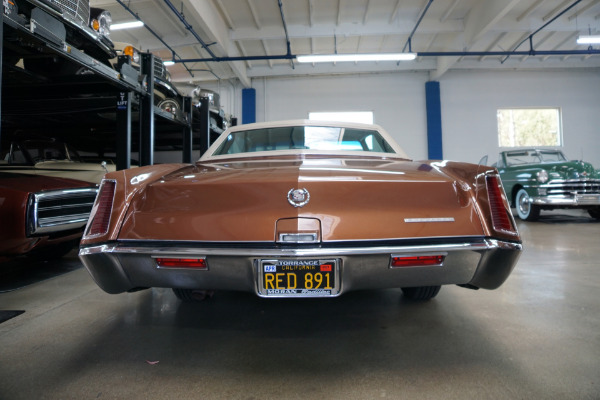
(588, 39)
(126, 25)
(315, 58)
(168, 63)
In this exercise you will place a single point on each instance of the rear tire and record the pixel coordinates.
(192, 295)
(525, 210)
(594, 212)
(421, 293)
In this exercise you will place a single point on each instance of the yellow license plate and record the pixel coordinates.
(299, 278)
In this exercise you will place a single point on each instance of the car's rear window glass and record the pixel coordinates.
(304, 138)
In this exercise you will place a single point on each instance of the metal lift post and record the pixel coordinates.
(147, 112)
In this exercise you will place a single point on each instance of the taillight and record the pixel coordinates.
(104, 203)
(501, 220)
(417, 261)
(197, 263)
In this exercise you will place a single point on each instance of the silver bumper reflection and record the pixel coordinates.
(568, 201)
(118, 267)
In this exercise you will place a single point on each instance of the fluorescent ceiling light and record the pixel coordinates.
(169, 63)
(315, 58)
(126, 25)
(588, 39)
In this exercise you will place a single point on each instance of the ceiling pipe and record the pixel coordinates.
(507, 53)
(530, 53)
(155, 35)
(189, 28)
(240, 58)
(530, 37)
(287, 37)
(409, 40)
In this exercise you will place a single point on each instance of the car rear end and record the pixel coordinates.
(217, 226)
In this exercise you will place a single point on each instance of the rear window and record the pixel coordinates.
(304, 138)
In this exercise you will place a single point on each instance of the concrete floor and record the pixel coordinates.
(536, 337)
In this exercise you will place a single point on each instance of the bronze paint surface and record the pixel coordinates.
(351, 198)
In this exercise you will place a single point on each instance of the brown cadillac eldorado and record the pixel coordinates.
(301, 209)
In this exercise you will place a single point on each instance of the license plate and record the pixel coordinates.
(299, 278)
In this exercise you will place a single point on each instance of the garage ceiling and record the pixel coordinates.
(447, 34)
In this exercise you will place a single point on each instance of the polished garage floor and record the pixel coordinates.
(537, 337)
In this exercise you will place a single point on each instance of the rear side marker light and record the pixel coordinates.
(192, 263)
(500, 219)
(104, 204)
(417, 261)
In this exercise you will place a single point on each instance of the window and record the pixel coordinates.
(529, 127)
(521, 157)
(363, 117)
(319, 138)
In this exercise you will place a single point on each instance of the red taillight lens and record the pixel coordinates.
(199, 263)
(104, 204)
(417, 261)
(500, 217)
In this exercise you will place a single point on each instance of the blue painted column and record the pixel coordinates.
(248, 106)
(434, 120)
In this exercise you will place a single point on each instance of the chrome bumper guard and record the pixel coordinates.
(120, 267)
(579, 200)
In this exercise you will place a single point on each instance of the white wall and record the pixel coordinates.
(397, 102)
(469, 102)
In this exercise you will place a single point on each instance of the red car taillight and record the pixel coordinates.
(104, 204)
(417, 261)
(198, 263)
(501, 219)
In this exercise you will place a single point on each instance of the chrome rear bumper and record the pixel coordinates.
(119, 267)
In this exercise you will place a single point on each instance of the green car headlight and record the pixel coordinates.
(542, 176)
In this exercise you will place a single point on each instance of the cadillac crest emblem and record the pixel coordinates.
(298, 197)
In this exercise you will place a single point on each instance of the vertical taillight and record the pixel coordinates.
(101, 215)
(501, 220)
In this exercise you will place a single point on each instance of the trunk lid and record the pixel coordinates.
(350, 199)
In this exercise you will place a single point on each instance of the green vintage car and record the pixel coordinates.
(544, 179)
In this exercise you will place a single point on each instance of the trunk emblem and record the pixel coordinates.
(298, 197)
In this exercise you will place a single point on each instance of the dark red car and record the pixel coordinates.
(42, 215)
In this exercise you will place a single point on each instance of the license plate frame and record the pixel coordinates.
(313, 277)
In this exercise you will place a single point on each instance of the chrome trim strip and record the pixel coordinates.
(332, 242)
(577, 200)
(443, 219)
(297, 238)
(579, 181)
(316, 252)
